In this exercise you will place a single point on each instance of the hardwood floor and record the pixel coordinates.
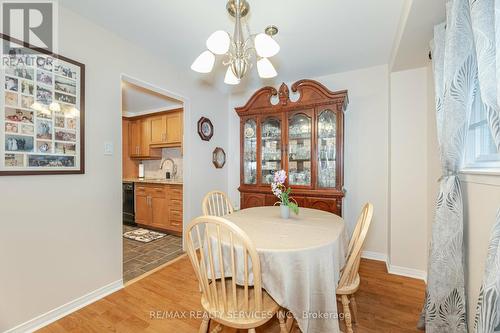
(386, 303)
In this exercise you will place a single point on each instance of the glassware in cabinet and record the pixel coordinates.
(250, 152)
(299, 149)
(271, 149)
(327, 148)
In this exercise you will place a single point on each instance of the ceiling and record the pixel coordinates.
(316, 37)
(416, 31)
(137, 100)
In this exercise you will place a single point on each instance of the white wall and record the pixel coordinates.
(408, 165)
(61, 235)
(366, 146)
(481, 202)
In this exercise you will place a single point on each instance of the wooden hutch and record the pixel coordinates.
(304, 137)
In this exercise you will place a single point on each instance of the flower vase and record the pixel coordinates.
(285, 211)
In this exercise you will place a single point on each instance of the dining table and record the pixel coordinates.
(301, 260)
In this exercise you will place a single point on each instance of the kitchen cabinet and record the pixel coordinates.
(139, 140)
(134, 138)
(159, 207)
(166, 129)
(304, 137)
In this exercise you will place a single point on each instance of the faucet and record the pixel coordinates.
(174, 167)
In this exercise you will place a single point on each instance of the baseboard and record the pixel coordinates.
(396, 270)
(57, 313)
(374, 256)
(408, 272)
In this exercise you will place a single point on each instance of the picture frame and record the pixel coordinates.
(219, 157)
(42, 111)
(205, 129)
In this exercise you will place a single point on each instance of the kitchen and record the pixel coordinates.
(152, 143)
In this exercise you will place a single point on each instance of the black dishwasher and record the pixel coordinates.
(128, 203)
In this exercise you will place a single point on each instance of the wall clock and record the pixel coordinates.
(205, 129)
(219, 157)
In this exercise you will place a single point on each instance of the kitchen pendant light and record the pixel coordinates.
(238, 49)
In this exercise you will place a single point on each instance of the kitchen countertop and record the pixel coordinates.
(154, 181)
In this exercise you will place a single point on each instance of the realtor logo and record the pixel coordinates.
(31, 22)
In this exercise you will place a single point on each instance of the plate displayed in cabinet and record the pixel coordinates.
(249, 132)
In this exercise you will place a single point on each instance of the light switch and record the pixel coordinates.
(108, 148)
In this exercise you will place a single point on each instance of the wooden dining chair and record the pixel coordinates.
(349, 278)
(240, 305)
(216, 203)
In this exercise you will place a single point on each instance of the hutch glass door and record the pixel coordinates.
(250, 152)
(327, 148)
(271, 149)
(299, 149)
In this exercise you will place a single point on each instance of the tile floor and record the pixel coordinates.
(139, 258)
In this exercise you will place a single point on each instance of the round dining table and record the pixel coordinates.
(301, 259)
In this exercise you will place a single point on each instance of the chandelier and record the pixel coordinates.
(239, 50)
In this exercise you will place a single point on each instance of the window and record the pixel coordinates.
(481, 152)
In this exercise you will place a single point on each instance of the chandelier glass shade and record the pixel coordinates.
(239, 51)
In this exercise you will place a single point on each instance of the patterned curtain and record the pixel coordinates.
(488, 307)
(455, 74)
(486, 26)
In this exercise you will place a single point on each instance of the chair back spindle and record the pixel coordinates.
(350, 271)
(216, 203)
(225, 263)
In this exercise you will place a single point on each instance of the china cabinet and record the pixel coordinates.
(302, 133)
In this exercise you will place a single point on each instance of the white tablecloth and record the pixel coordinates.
(301, 259)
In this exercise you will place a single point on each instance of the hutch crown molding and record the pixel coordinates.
(304, 137)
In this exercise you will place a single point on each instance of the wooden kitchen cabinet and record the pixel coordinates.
(134, 138)
(166, 129)
(139, 140)
(174, 128)
(158, 129)
(142, 211)
(148, 134)
(159, 207)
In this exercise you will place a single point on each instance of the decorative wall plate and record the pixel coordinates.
(205, 129)
(219, 157)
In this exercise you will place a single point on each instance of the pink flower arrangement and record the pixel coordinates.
(279, 189)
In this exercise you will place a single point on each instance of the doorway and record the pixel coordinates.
(152, 172)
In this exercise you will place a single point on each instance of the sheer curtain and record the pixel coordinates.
(488, 306)
(455, 75)
(466, 72)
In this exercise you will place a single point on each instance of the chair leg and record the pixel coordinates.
(347, 313)
(354, 307)
(217, 329)
(204, 324)
(281, 318)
